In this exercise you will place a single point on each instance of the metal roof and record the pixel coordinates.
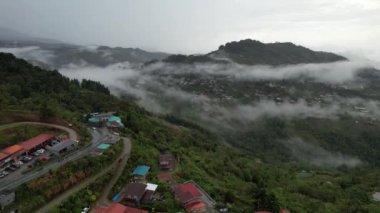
(141, 170)
(33, 142)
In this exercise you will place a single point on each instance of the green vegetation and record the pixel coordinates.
(17, 134)
(252, 52)
(38, 192)
(235, 179)
(84, 197)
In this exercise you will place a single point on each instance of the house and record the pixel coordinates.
(149, 192)
(105, 119)
(137, 193)
(62, 147)
(119, 208)
(6, 198)
(140, 172)
(134, 193)
(190, 197)
(167, 162)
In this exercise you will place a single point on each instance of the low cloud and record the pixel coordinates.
(315, 155)
(31, 53)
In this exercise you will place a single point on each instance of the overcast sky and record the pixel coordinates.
(197, 26)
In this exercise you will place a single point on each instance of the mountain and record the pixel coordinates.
(237, 179)
(252, 52)
(14, 37)
(55, 54)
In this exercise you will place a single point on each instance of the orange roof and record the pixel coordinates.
(3, 155)
(12, 149)
(119, 208)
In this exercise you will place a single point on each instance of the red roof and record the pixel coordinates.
(186, 192)
(193, 207)
(263, 212)
(12, 149)
(119, 208)
(3, 156)
(134, 210)
(33, 142)
(284, 211)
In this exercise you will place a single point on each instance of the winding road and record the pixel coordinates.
(15, 179)
(116, 165)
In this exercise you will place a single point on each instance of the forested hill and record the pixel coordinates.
(252, 52)
(237, 181)
(27, 87)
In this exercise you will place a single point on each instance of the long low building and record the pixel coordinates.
(13, 152)
(35, 142)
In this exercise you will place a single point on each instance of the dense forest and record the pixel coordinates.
(236, 179)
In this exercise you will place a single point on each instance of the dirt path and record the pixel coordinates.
(70, 192)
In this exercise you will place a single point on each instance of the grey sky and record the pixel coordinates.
(196, 26)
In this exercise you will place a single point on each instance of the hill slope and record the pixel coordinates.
(236, 180)
(252, 52)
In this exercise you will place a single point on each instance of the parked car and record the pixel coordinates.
(11, 168)
(85, 210)
(2, 175)
(44, 158)
(5, 173)
(41, 151)
(26, 159)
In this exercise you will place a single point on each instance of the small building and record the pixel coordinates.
(190, 197)
(149, 193)
(134, 193)
(167, 162)
(105, 119)
(6, 198)
(103, 147)
(119, 208)
(62, 147)
(141, 172)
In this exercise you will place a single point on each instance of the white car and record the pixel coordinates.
(85, 210)
(41, 151)
(93, 128)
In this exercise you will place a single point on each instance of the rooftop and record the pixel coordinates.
(141, 170)
(135, 191)
(151, 187)
(62, 145)
(104, 146)
(114, 208)
(12, 149)
(33, 142)
(3, 155)
(186, 192)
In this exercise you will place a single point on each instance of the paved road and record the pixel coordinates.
(116, 164)
(98, 137)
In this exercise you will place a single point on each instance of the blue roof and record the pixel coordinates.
(141, 170)
(103, 146)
